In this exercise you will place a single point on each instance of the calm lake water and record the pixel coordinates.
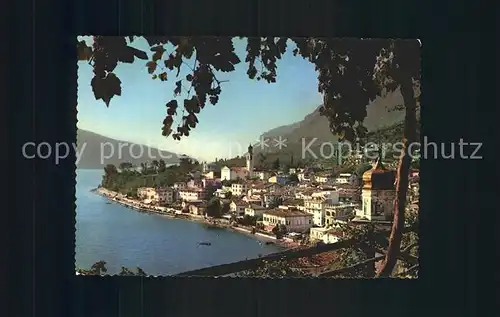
(159, 245)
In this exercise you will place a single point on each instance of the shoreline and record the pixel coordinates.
(172, 213)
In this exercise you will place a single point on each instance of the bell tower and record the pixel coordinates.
(250, 160)
(378, 193)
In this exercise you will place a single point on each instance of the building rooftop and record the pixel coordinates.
(238, 169)
(286, 213)
(195, 202)
(256, 207)
(240, 203)
(378, 177)
(192, 189)
(345, 175)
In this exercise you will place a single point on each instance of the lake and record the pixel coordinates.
(159, 245)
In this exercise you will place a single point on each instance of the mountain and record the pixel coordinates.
(298, 135)
(96, 146)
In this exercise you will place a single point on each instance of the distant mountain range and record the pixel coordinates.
(314, 125)
(92, 154)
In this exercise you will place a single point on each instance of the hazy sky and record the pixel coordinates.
(246, 108)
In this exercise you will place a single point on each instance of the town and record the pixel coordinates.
(295, 206)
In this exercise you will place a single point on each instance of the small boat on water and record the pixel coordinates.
(269, 242)
(205, 243)
(108, 202)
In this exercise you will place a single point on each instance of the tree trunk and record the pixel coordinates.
(410, 136)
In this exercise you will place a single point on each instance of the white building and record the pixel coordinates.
(346, 178)
(156, 195)
(294, 221)
(327, 235)
(238, 208)
(378, 194)
(254, 210)
(146, 193)
(316, 205)
(239, 189)
(234, 173)
(303, 176)
(322, 178)
(192, 194)
(210, 175)
(222, 192)
(339, 213)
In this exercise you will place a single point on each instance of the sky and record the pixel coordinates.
(246, 108)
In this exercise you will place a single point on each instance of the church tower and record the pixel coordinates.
(378, 193)
(250, 160)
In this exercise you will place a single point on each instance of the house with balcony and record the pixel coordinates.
(192, 194)
(316, 205)
(293, 220)
(339, 213)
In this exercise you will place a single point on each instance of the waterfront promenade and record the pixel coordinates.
(118, 198)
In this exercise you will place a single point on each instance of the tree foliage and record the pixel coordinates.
(214, 208)
(361, 169)
(293, 178)
(274, 269)
(351, 73)
(99, 268)
(128, 181)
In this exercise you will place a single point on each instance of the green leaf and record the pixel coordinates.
(159, 50)
(84, 52)
(172, 104)
(167, 126)
(106, 88)
(151, 66)
(178, 87)
(139, 54)
(127, 56)
(252, 72)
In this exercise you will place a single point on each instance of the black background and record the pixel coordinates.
(40, 197)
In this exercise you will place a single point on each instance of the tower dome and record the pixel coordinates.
(378, 177)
